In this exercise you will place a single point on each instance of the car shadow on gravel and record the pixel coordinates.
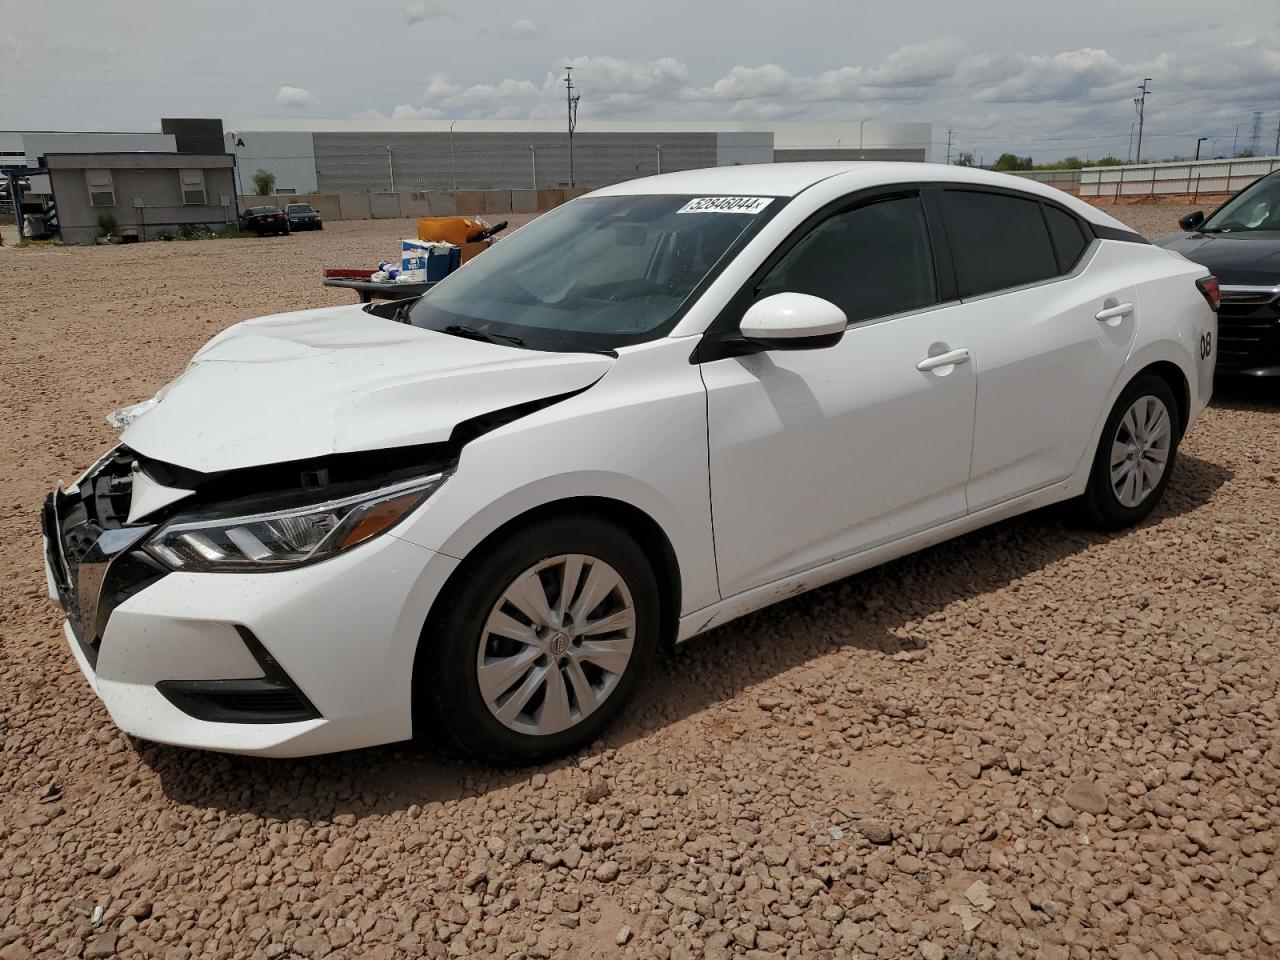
(862, 611)
(1240, 394)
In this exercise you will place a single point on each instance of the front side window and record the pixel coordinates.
(997, 241)
(872, 261)
(1257, 207)
(595, 274)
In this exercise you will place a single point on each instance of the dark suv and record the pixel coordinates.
(1240, 243)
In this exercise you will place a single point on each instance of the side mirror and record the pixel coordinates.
(793, 321)
(1191, 220)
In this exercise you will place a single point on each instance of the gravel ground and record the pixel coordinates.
(1030, 742)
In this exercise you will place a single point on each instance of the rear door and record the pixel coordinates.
(1052, 326)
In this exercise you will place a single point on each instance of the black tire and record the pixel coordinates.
(1101, 505)
(447, 695)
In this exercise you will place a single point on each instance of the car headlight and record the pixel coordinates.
(287, 537)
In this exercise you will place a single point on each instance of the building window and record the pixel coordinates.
(101, 191)
(192, 187)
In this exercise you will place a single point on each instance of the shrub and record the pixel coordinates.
(264, 183)
(107, 225)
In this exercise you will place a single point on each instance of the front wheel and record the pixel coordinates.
(541, 643)
(1135, 455)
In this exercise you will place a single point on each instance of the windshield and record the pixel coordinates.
(1257, 207)
(255, 211)
(299, 208)
(595, 274)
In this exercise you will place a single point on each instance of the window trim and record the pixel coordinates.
(720, 338)
(182, 187)
(110, 186)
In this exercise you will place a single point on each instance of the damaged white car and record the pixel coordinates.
(477, 516)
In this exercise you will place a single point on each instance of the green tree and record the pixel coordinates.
(1109, 161)
(264, 183)
(965, 159)
(1009, 161)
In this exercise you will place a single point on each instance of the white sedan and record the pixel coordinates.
(477, 516)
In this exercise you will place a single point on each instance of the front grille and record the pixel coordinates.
(1248, 326)
(92, 551)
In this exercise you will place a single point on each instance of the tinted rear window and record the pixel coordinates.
(997, 241)
(1068, 237)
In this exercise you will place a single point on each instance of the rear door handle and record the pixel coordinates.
(948, 359)
(1113, 314)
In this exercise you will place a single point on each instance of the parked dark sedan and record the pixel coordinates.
(265, 220)
(303, 216)
(1240, 243)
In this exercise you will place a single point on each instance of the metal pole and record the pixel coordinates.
(860, 125)
(571, 103)
(1235, 142)
(1142, 109)
(453, 167)
(1198, 142)
(1277, 150)
(1128, 157)
(659, 158)
(391, 165)
(533, 151)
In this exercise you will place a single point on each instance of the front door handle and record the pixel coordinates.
(1112, 313)
(948, 359)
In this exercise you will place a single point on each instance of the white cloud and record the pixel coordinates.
(1047, 104)
(523, 28)
(294, 97)
(430, 10)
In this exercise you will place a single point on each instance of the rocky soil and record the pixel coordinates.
(1033, 742)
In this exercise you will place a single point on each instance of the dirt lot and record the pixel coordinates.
(1031, 742)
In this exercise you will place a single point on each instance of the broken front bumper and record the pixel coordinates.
(285, 663)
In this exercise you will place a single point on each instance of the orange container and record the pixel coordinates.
(455, 230)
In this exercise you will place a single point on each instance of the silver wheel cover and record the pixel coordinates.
(556, 644)
(1140, 450)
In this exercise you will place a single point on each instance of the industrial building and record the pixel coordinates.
(390, 156)
(143, 194)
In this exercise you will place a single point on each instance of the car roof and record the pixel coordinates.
(791, 179)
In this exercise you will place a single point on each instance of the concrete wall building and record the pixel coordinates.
(360, 156)
(146, 193)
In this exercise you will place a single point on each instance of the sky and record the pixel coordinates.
(1032, 78)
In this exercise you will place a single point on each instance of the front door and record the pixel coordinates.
(818, 454)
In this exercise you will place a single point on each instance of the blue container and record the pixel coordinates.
(442, 261)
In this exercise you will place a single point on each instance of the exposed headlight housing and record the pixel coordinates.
(288, 537)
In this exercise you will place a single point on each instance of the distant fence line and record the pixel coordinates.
(1183, 177)
(420, 203)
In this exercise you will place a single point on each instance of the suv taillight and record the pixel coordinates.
(1212, 291)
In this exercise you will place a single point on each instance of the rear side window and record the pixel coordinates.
(871, 261)
(997, 241)
(1068, 237)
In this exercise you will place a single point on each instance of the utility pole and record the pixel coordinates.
(1141, 103)
(1255, 133)
(1277, 151)
(391, 166)
(948, 148)
(453, 165)
(1198, 142)
(1235, 141)
(1128, 157)
(571, 102)
(533, 150)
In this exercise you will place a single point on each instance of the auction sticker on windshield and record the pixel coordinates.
(726, 205)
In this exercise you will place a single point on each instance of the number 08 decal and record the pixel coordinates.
(1206, 345)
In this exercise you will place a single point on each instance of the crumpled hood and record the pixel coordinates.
(337, 380)
(1245, 258)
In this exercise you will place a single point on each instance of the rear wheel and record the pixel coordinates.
(542, 643)
(1135, 455)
